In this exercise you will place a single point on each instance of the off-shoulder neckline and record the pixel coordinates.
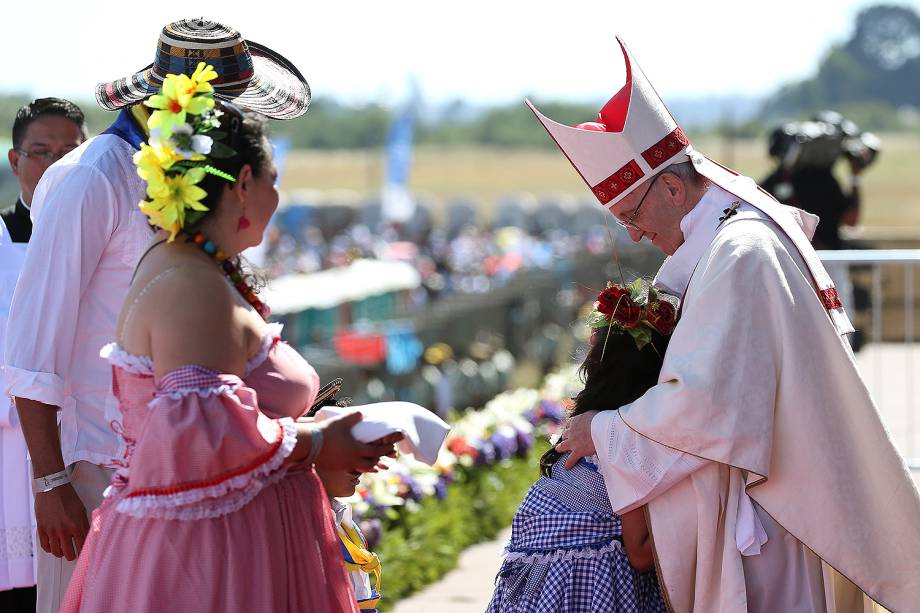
(142, 365)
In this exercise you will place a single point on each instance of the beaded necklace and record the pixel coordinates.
(231, 267)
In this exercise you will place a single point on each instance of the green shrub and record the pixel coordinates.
(420, 546)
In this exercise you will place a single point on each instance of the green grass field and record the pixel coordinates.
(891, 188)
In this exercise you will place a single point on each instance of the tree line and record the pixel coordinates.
(868, 78)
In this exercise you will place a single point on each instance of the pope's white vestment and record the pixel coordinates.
(761, 438)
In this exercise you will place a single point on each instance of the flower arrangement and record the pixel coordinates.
(636, 309)
(504, 428)
(183, 140)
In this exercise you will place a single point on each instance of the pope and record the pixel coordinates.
(769, 479)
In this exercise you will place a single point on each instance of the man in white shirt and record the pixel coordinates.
(88, 236)
(769, 480)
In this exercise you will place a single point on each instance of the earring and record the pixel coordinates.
(243, 223)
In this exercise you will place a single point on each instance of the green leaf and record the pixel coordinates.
(636, 290)
(193, 217)
(597, 320)
(220, 151)
(652, 294)
(642, 336)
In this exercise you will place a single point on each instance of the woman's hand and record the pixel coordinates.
(576, 437)
(342, 451)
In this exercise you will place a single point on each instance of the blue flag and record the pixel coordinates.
(397, 202)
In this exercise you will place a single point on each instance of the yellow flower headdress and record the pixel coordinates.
(183, 140)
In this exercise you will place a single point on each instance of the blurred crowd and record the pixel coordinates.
(466, 250)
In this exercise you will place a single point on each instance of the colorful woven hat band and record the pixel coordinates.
(250, 75)
(184, 140)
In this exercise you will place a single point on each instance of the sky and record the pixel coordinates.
(483, 52)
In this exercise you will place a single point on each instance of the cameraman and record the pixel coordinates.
(817, 191)
(806, 153)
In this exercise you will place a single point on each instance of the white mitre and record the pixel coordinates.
(635, 137)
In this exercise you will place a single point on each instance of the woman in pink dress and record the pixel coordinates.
(217, 506)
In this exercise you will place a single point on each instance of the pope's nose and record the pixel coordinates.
(635, 234)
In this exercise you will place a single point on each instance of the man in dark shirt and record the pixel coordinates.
(817, 191)
(44, 131)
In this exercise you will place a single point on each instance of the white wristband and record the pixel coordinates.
(49, 482)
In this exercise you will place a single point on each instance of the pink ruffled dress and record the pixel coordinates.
(205, 513)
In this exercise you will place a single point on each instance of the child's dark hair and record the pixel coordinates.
(614, 375)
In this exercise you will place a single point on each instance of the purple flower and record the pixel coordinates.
(505, 446)
(372, 531)
(486, 454)
(411, 490)
(524, 443)
(440, 488)
(552, 411)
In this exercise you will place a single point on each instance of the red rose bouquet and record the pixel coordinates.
(636, 309)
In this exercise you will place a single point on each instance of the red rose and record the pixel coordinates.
(629, 316)
(612, 298)
(661, 316)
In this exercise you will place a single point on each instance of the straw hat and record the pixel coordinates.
(250, 75)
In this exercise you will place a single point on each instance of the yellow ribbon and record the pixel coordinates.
(364, 560)
(141, 115)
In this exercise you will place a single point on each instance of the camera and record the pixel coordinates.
(819, 142)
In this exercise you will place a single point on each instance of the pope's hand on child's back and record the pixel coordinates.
(341, 450)
(577, 438)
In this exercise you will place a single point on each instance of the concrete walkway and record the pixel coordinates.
(467, 588)
(890, 370)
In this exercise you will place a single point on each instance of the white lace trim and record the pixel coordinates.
(143, 365)
(217, 500)
(560, 555)
(135, 364)
(203, 392)
(272, 332)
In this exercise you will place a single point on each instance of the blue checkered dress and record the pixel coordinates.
(566, 553)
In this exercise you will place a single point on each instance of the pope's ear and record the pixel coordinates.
(674, 186)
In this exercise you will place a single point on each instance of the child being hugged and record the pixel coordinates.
(569, 551)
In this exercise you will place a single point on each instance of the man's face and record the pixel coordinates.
(661, 204)
(46, 140)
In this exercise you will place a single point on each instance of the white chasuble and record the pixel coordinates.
(759, 393)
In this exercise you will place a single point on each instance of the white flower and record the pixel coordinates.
(183, 141)
(202, 144)
(154, 139)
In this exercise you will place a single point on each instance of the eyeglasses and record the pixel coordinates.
(45, 156)
(628, 223)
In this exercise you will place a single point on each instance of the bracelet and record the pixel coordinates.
(49, 482)
(316, 444)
